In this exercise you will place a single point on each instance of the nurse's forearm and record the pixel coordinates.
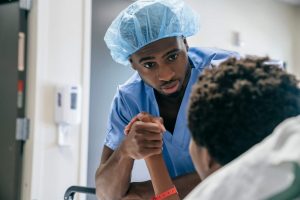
(160, 178)
(113, 176)
(144, 190)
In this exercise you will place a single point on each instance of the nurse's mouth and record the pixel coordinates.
(170, 87)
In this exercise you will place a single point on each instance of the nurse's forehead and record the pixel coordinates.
(151, 57)
(163, 46)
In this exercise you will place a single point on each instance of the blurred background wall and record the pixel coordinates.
(265, 27)
(296, 52)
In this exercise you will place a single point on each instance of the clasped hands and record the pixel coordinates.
(144, 136)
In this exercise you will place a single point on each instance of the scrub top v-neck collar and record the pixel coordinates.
(179, 136)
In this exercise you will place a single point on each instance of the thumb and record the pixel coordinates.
(145, 117)
(129, 125)
(160, 121)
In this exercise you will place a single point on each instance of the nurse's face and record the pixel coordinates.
(163, 64)
(202, 160)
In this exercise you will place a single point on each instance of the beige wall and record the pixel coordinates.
(266, 27)
(57, 56)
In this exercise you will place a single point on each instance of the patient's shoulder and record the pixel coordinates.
(261, 172)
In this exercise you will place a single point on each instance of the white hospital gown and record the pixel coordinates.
(262, 172)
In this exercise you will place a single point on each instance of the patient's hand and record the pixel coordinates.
(160, 178)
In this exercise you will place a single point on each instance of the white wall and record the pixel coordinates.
(58, 54)
(266, 27)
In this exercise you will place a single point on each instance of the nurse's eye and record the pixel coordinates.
(149, 65)
(172, 57)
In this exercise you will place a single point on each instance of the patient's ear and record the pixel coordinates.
(204, 163)
(210, 165)
(213, 165)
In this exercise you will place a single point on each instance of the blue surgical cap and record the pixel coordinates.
(146, 21)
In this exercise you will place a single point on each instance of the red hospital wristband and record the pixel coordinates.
(166, 194)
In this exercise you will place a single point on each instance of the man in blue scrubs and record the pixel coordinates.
(150, 36)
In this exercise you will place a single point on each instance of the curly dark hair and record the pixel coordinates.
(238, 104)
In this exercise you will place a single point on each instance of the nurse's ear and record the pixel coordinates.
(131, 62)
(185, 43)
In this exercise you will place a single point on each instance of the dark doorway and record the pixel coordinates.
(12, 101)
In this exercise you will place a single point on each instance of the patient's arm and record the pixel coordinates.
(160, 178)
(158, 171)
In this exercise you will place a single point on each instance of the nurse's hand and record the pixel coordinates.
(144, 136)
(144, 117)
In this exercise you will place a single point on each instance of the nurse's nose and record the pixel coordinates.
(165, 73)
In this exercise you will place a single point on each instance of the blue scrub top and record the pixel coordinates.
(134, 96)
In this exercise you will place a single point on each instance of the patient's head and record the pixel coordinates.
(234, 107)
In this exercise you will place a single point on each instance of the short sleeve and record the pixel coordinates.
(119, 117)
(205, 57)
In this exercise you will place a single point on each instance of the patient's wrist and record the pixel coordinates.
(168, 193)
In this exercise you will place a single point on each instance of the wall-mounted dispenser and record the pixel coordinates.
(67, 110)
